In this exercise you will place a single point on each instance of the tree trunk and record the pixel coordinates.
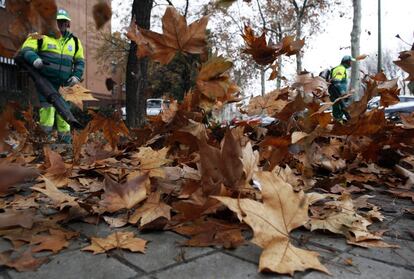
(299, 54)
(279, 72)
(137, 69)
(411, 83)
(355, 46)
(263, 79)
(280, 59)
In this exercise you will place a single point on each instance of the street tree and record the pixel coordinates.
(355, 46)
(137, 68)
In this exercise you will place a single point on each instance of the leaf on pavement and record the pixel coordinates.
(56, 170)
(372, 243)
(152, 214)
(122, 240)
(221, 166)
(250, 160)
(341, 218)
(402, 193)
(56, 240)
(211, 232)
(152, 160)
(58, 198)
(282, 211)
(116, 222)
(24, 263)
(124, 196)
(12, 175)
(112, 127)
(14, 218)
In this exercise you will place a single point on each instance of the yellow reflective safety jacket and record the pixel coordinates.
(339, 77)
(58, 55)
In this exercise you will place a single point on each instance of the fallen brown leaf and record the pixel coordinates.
(282, 210)
(152, 212)
(122, 240)
(124, 196)
(13, 218)
(24, 263)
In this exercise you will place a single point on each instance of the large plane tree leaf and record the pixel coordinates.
(282, 211)
(124, 196)
(177, 36)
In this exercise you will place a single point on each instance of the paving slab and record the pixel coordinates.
(77, 264)
(248, 252)
(403, 228)
(163, 249)
(398, 256)
(360, 268)
(5, 245)
(328, 245)
(89, 230)
(217, 265)
(335, 242)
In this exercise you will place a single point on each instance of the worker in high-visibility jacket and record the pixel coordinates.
(338, 87)
(62, 62)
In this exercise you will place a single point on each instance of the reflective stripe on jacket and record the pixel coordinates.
(58, 55)
(339, 77)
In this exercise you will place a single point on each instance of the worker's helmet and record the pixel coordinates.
(62, 15)
(347, 59)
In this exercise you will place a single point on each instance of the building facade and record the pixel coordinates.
(82, 25)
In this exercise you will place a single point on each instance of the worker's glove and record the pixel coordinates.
(38, 63)
(72, 81)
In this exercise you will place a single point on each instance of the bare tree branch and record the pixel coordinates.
(170, 3)
(263, 19)
(186, 8)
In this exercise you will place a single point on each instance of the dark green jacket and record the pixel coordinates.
(58, 55)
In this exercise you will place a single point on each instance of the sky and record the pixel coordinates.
(326, 49)
(397, 18)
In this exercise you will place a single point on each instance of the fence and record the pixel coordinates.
(14, 84)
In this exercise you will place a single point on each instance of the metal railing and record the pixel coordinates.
(11, 78)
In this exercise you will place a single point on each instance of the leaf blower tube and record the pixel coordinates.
(45, 88)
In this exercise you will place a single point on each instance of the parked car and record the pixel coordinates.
(262, 120)
(406, 105)
(155, 106)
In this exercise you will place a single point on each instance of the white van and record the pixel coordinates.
(155, 106)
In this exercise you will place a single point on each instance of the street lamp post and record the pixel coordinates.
(379, 67)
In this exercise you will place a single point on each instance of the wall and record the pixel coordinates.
(82, 26)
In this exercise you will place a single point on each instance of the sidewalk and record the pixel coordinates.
(165, 258)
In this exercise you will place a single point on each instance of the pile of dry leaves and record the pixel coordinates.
(209, 183)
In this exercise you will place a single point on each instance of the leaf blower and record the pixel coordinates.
(45, 88)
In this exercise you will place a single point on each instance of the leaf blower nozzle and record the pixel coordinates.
(45, 88)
